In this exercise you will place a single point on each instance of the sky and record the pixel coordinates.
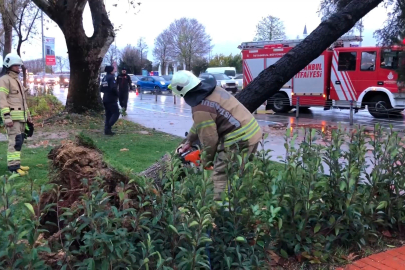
(228, 22)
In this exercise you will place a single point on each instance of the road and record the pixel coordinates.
(164, 114)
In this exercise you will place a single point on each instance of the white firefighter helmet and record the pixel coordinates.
(12, 59)
(182, 82)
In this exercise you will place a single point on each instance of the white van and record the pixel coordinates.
(229, 71)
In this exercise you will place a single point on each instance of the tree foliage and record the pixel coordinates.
(393, 31)
(221, 60)
(269, 28)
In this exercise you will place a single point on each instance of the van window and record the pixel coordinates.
(230, 73)
(368, 61)
(347, 61)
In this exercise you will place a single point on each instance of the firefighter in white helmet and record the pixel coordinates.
(221, 123)
(14, 111)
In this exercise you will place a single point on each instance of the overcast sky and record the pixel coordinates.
(228, 22)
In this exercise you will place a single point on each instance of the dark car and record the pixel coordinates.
(153, 84)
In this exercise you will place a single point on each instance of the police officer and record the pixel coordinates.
(221, 123)
(14, 111)
(110, 99)
(124, 83)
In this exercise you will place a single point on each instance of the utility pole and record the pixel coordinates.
(43, 47)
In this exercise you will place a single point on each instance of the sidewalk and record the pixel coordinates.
(391, 259)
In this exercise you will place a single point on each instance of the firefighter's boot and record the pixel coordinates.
(19, 172)
(25, 168)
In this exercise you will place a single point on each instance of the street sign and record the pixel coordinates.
(49, 48)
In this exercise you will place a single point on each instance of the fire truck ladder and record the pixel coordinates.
(290, 42)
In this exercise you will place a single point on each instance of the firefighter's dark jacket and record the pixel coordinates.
(109, 88)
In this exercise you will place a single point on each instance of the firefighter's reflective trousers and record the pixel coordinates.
(15, 141)
(219, 175)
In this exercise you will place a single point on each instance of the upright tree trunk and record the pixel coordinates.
(85, 53)
(8, 36)
(270, 80)
(24, 69)
(84, 66)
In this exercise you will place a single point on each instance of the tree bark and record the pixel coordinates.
(8, 36)
(270, 80)
(85, 53)
(274, 77)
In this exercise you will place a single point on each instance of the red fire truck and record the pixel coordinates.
(344, 75)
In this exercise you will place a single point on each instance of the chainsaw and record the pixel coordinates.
(192, 155)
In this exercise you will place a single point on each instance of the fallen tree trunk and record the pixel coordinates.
(275, 76)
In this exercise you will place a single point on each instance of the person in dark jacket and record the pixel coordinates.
(110, 99)
(124, 84)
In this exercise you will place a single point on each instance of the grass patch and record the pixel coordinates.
(144, 147)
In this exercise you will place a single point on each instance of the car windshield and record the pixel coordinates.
(158, 78)
(230, 72)
(134, 78)
(239, 77)
(390, 59)
(167, 77)
(220, 76)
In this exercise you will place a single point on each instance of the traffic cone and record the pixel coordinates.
(137, 93)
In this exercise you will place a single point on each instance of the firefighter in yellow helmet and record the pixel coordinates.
(14, 111)
(221, 123)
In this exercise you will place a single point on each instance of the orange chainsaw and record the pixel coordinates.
(192, 155)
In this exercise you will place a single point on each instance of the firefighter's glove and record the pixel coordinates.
(7, 121)
(183, 148)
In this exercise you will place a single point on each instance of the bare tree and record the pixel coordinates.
(85, 53)
(34, 66)
(23, 20)
(188, 41)
(61, 63)
(131, 59)
(111, 55)
(161, 51)
(8, 7)
(143, 49)
(269, 28)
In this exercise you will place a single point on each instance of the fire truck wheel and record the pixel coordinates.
(279, 103)
(379, 106)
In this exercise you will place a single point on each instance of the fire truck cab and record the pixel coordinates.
(343, 76)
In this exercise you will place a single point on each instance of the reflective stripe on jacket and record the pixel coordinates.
(220, 117)
(13, 101)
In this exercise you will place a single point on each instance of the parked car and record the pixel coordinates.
(239, 79)
(153, 84)
(135, 79)
(64, 80)
(222, 80)
(51, 80)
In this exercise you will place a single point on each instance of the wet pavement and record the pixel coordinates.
(172, 115)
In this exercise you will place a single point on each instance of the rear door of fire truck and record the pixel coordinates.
(310, 85)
